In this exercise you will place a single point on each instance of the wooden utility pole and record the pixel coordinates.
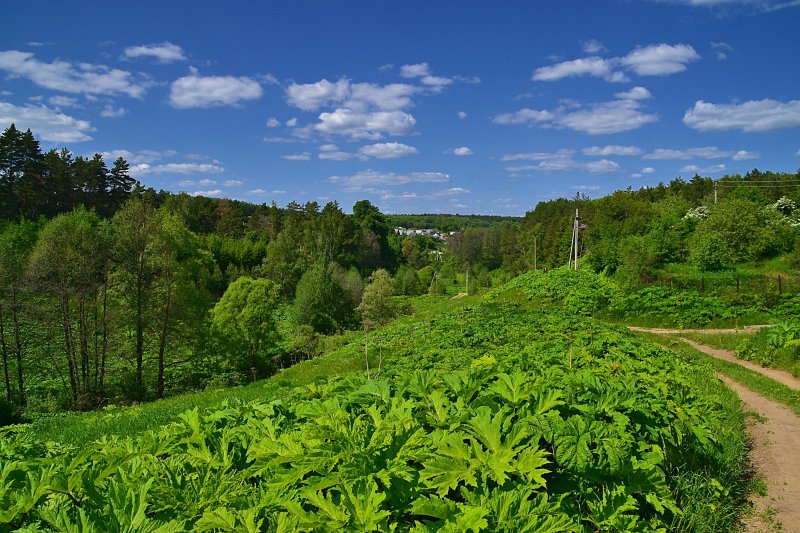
(573, 248)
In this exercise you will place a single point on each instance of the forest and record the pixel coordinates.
(112, 293)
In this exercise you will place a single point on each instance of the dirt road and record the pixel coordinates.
(775, 441)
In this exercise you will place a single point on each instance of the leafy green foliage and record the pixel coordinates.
(244, 319)
(523, 438)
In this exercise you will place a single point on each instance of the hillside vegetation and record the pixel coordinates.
(495, 416)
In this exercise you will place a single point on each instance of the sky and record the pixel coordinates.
(417, 106)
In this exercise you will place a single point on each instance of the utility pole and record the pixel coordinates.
(573, 248)
(716, 184)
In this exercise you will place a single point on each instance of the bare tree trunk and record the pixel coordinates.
(139, 331)
(101, 385)
(84, 345)
(5, 355)
(66, 323)
(162, 342)
(18, 343)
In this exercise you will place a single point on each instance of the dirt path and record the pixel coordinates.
(774, 444)
(775, 460)
(778, 375)
(662, 331)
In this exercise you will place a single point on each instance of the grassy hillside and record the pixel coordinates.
(498, 414)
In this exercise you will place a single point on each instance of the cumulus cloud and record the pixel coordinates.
(365, 125)
(451, 193)
(143, 169)
(561, 160)
(611, 150)
(264, 192)
(752, 116)
(637, 93)
(233, 183)
(390, 150)
(195, 90)
(695, 169)
(213, 192)
(109, 111)
(142, 156)
(462, 151)
(81, 78)
(594, 118)
(648, 170)
(660, 59)
(49, 124)
(462, 114)
(523, 116)
(312, 96)
(305, 156)
(721, 50)
(63, 101)
(654, 60)
(593, 46)
(607, 117)
(273, 122)
(415, 71)
(371, 178)
(705, 152)
(165, 52)
(587, 66)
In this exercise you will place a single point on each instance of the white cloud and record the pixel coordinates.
(205, 182)
(187, 183)
(462, 114)
(637, 93)
(273, 122)
(607, 117)
(591, 66)
(762, 5)
(654, 60)
(706, 152)
(595, 118)
(49, 124)
(612, 149)
(263, 192)
(561, 160)
(305, 156)
(523, 116)
(214, 192)
(743, 155)
(751, 116)
(602, 166)
(648, 170)
(209, 91)
(660, 59)
(177, 168)
(714, 169)
(336, 155)
(370, 178)
(593, 46)
(82, 78)
(462, 151)
(63, 101)
(143, 156)
(390, 150)
(165, 52)
(436, 83)
(395, 96)
(585, 187)
(312, 96)
(292, 122)
(721, 50)
(415, 71)
(109, 111)
(233, 183)
(357, 125)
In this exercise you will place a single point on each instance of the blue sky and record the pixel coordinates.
(469, 107)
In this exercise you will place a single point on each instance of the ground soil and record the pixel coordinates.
(775, 445)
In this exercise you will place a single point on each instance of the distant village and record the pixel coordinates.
(436, 234)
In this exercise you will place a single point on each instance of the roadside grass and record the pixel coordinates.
(754, 381)
(722, 341)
